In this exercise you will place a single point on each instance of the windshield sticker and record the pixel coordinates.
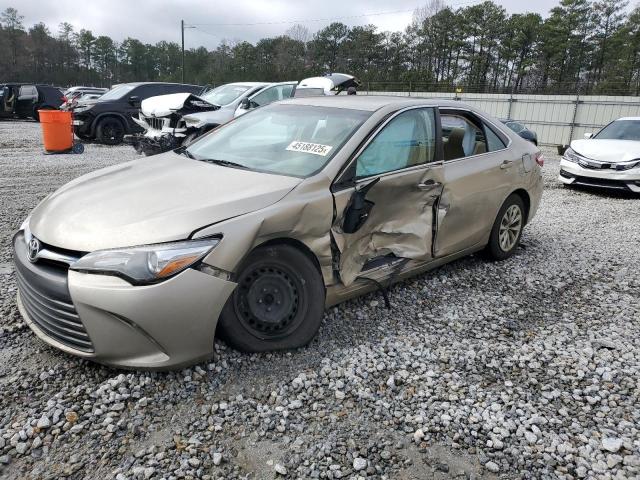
(313, 148)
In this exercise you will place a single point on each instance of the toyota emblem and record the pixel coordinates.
(34, 248)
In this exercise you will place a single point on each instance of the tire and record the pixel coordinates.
(507, 229)
(278, 303)
(110, 131)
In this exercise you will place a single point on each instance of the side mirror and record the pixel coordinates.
(245, 104)
(134, 100)
(358, 209)
(588, 135)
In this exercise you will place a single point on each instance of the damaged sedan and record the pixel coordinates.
(252, 230)
(170, 121)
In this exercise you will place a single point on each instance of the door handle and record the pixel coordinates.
(429, 185)
(507, 164)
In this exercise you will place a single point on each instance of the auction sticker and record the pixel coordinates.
(314, 148)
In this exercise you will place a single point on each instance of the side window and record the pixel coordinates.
(272, 94)
(407, 140)
(28, 91)
(494, 142)
(461, 137)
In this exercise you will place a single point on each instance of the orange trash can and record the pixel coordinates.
(57, 130)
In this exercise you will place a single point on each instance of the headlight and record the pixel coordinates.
(26, 230)
(571, 155)
(192, 121)
(147, 264)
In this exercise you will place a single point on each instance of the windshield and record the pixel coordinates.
(296, 140)
(117, 92)
(620, 130)
(224, 94)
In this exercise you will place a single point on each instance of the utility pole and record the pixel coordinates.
(182, 32)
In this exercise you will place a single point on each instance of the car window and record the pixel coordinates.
(296, 140)
(494, 142)
(461, 137)
(407, 140)
(620, 130)
(28, 91)
(119, 91)
(225, 94)
(515, 126)
(272, 94)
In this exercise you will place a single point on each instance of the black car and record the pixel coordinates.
(23, 100)
(108, 118)
(522, 130)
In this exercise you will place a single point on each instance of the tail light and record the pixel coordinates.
(539, 157)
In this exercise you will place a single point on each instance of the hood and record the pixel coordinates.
(610, 151)
(156, 199)
(164, 105)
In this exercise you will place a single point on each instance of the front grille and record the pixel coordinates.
(155, 123)
(600, 182)
(45, 297)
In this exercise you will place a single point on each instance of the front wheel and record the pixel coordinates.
(110, 131)
(507, 229)
(278, 303)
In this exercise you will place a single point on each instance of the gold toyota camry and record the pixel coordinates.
(251, 231)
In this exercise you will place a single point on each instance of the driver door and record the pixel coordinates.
(398, 179)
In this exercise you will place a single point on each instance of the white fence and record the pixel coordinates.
(557, 119)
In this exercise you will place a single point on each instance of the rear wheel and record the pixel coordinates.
(507, 229)
(278, 303)
(110, 131)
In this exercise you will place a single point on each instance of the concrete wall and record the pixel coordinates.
(557, 119)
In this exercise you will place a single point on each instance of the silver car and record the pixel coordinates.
(251, 231)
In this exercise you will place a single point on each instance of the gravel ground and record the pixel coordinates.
(529, 368)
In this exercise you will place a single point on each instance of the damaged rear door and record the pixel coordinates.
(386, 197)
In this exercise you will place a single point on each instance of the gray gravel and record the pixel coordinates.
(528, 368)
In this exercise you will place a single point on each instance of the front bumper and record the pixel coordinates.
(573, 174)
(161, 326)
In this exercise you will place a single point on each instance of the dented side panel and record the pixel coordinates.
(401, 222)
(304, 216)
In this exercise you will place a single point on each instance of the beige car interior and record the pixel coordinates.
(462, 141)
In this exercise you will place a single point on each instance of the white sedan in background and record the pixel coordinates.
(609, 159)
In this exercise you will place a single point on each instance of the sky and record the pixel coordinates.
(153, 20)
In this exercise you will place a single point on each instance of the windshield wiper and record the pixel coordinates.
(185, 152)
(225, 163)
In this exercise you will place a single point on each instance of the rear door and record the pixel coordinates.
(479, 173)
(386, 198)
(27, 97)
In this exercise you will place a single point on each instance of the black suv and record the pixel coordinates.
(24, 100)
(108, 118)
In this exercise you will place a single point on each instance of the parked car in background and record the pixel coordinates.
(74, 95)
(254, 229)
(522, 130)
(608, 159)
(170, 121)
(23, 100)
(109, 118)
(329, 84)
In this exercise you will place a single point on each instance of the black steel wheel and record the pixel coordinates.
(110, 131)
(278, 303)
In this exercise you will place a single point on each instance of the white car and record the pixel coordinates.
(608, 159)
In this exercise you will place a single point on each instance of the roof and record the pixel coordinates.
(157, 83)
(627, 118)
(250, 84)
(371, 102)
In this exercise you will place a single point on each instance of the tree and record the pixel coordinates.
(11, 21)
